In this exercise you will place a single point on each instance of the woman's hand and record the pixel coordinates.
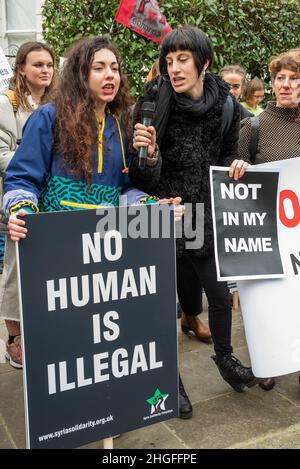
(16, 226)
(144, 137)
(237, 169)
(178, 208)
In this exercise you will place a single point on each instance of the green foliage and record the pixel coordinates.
(248, 32)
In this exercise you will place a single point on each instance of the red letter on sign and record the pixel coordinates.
(289, 222)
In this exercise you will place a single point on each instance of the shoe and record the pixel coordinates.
(266, 383)
(14, 352)
(234, 372)
(185, 406)
(193, 323)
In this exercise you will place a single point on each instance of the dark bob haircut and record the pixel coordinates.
(187, 38)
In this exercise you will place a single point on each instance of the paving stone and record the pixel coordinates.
(157, 436)
(227, 420)
(6, 368)
(12, 405)
(289, 387)
(288, 438)
(5, 442)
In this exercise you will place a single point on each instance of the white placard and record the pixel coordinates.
(5, 71)
(271, 308)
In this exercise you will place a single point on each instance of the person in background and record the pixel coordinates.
(154, 71)
(31, 85)
(235, 77)
(253, 95)
(279, 124)
(197, 124)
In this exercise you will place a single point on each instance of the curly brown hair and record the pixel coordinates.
(289, 60)
(18, 81)
(76, 126)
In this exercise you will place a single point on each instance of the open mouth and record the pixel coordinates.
(109, 87)
(178, 81)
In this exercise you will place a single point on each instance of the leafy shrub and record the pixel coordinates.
(248, 32)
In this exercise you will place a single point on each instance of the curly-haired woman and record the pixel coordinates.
(73, 153)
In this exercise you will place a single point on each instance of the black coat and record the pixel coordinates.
(189, 147)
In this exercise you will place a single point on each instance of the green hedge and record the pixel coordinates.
(246, 31)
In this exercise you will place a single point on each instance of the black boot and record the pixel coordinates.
(185, 406)
(236, 374)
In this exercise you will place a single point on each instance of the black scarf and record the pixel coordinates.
(184, 102)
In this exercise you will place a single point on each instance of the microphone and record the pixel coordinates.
(147, 112)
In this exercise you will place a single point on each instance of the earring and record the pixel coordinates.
(203, 75)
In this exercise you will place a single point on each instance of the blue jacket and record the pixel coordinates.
(36, 172)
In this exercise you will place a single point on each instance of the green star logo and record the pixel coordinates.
(157, 402)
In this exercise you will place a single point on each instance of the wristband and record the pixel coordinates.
(26, 205)
(152, 199)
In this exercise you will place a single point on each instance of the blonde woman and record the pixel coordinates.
(31, 85)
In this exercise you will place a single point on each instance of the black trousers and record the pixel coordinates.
(193, 274)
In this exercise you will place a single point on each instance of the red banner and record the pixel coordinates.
(143, 17)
